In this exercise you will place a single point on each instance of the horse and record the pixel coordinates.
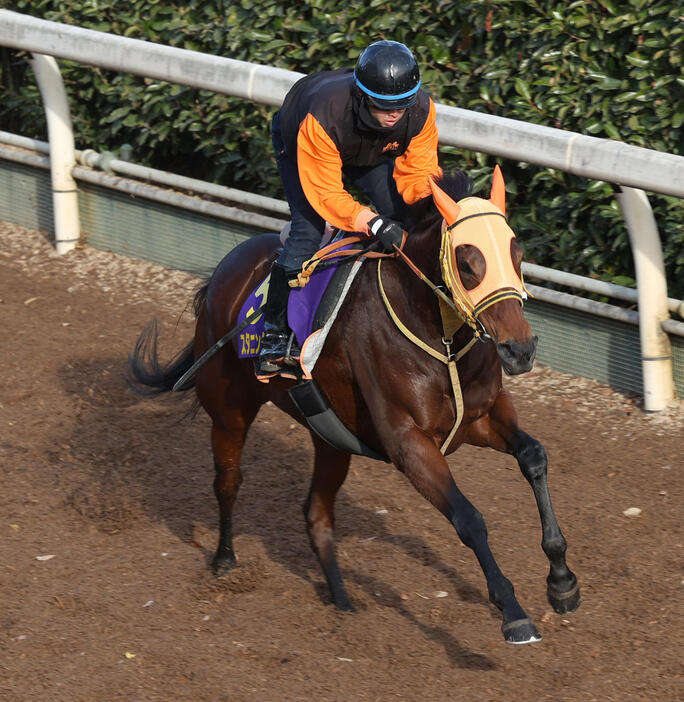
(385, 385)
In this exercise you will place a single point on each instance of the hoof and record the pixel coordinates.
(345, 606)
(564, 602)
(520, 631)
(223, 566)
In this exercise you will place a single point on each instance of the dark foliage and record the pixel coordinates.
(600, 67)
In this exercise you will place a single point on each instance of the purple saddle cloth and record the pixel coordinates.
(301, 310)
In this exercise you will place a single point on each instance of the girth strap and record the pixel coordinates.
(451, 323)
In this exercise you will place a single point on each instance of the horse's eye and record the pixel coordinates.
(471, 265)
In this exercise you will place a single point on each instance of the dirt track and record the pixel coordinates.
(117, 491)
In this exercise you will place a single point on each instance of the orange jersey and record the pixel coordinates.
(324, 124)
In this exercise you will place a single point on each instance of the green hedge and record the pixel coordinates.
(601, 67)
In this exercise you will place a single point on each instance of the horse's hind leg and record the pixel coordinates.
(503, 434)
(330, 470)
(227, 440)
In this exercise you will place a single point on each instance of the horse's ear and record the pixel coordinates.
(448, 208)
(498, 195)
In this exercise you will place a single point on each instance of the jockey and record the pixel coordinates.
(371, 125)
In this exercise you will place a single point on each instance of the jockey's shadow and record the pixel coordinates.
(144, 459)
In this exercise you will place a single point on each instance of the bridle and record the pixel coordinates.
(501, 280)
(459, 299)
(454, 303)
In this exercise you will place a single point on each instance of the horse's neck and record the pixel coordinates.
(423, 250)
(414, 298)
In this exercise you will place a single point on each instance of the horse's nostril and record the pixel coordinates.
(533, 347)
(505, 348)
(517, 357)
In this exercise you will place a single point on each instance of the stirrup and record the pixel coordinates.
(264, 366)
(265, 369)
(273, 361)
(287, 372)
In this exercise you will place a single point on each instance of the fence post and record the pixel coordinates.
(62, 152)
(656, 354)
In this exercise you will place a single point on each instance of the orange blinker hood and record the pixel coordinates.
(482, 224)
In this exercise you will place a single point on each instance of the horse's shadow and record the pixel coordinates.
(143, 459)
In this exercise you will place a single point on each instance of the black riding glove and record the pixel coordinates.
(387, 231)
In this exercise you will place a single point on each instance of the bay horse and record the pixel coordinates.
(396, 398)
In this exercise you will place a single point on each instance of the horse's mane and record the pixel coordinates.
(456, 185)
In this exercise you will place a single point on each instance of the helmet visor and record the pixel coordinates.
(389, 102)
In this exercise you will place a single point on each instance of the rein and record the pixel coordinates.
(451, 323)
(322, 259)
(455, 311)
(328, 255)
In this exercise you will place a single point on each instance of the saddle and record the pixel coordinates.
(314, 299)
(314, 302)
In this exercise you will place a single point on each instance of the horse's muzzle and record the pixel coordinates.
(517, 357)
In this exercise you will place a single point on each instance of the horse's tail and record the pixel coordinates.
(147, 375)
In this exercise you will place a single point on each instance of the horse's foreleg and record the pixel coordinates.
(562, 587)
(426, 468)
(505, 435)
(330, 470)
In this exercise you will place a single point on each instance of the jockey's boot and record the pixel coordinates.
(277, 347)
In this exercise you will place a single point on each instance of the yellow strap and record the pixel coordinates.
(451, 323)
(404, 330)
(335, 250)
(458, 395)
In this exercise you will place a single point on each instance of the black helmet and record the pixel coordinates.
(387, 73)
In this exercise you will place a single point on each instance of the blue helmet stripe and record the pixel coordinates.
(379, 96)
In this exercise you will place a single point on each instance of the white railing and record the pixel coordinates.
(602, 159)
(632, 168)
(147, 182)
